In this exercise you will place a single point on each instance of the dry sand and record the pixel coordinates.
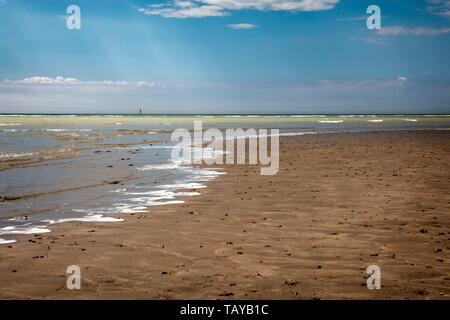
(340, 203)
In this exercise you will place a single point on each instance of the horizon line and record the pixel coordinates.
(224, 114)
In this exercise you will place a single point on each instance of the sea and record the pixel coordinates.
(56, 168)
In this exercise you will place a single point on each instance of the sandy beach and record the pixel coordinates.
(340, 203)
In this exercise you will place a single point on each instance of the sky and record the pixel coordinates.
(225, 56)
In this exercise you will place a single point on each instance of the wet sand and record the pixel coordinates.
(340, 203)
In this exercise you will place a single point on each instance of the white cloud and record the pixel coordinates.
(61, 83)
(439, 7)
(245, 26)
(360, 18)
(216, 8)
(186, 12)
(146, 84)
(376, 41)
(353, 18)
(358, 83)
(400, 30)
(2, 2)
(44, 80)
(379, 41)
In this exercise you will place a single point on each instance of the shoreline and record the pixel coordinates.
(333, 216)
(106, 217)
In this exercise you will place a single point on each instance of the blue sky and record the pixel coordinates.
(225, 56)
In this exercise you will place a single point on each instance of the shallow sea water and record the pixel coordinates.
(58, 168)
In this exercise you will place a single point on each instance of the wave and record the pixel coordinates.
(330, 121)
(5, 156)
(63, 130)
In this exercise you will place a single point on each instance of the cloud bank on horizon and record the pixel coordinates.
(36, 94)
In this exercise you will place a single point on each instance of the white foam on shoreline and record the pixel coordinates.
(160, 197)
(88, 218)
(163, 203)
(34, 153)
(164, 166)
(291, 134)
(33, 229)
(4, 241)
(282, 134)
(139, 200)
(374, 120)
(188, 194)
(188, 185)
(24, 229)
